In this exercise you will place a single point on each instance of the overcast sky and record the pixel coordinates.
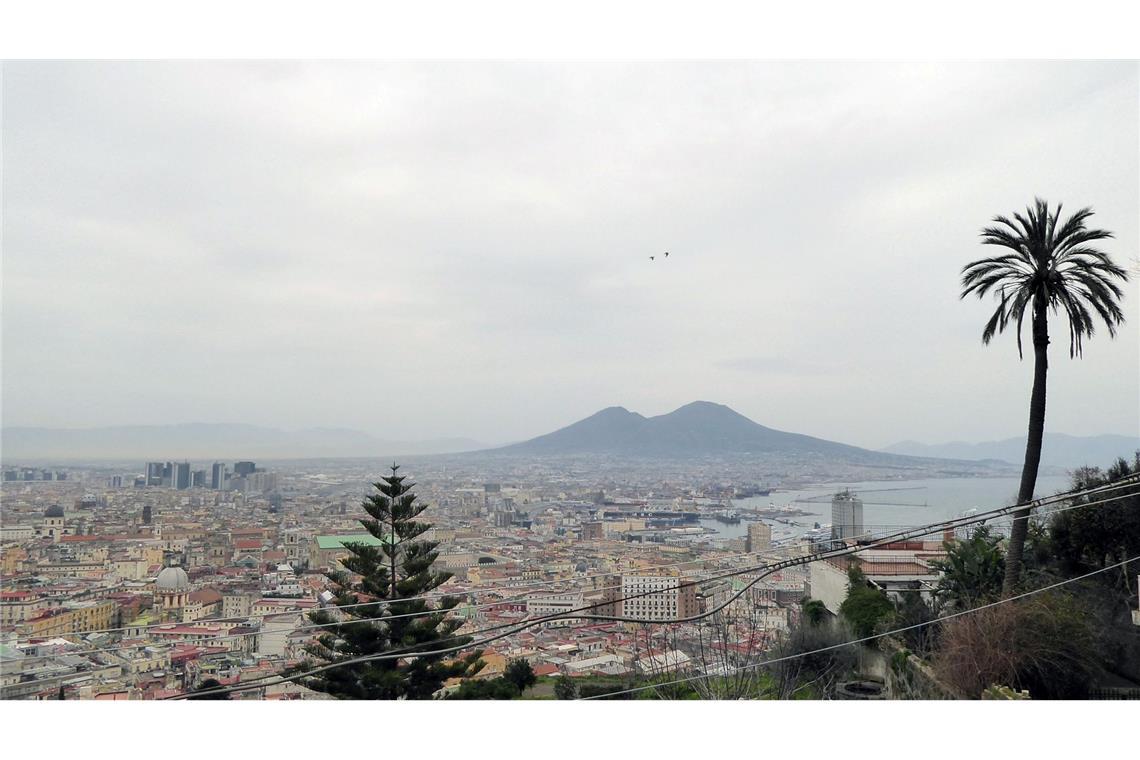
(426, 250)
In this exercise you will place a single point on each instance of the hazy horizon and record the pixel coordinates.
(378, 434)
(443, 250)
(214, 441)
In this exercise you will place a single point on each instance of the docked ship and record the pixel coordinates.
(727, 516)
(774, 512)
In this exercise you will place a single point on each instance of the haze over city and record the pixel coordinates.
(433, 381)
(431, 250)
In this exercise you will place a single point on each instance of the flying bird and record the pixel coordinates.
(666, 254)
(651, 258)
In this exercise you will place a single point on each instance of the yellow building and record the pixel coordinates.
(71, 617)
(11, 557)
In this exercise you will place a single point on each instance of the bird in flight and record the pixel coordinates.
(666, 254)
(651, 258)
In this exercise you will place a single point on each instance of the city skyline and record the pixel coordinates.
(432, 250)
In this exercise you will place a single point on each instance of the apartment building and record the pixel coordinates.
(658, 597)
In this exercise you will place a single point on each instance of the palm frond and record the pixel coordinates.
(1050, 259)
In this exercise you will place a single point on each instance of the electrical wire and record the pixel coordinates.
(764, 569)
(981, 517)
(865, 639)
(1116, 485)
(414, 614)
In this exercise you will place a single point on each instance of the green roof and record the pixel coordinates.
(338, 542)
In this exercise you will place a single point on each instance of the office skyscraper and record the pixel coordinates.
(218, 476)
(179, 475)
(154, 473)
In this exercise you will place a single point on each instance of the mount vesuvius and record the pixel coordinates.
(701, 428)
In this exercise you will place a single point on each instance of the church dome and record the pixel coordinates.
(172, 579)
(54, 511)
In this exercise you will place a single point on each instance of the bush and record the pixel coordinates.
(972, 572)
(565, 688)
(496, 688)
(1044, 644)
(815, 674)
(601, 690)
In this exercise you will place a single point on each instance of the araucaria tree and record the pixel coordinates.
(1052, 266)
(395, 571)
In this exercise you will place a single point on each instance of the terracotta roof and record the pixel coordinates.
(206, 596)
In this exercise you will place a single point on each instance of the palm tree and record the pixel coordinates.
(1050, 266)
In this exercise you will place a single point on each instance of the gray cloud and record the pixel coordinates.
(436, 249)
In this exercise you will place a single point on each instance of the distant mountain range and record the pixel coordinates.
(210, 441)
(701, 428)
(1057, 449)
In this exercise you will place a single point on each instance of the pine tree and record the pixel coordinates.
(395, 570)
(521, 674)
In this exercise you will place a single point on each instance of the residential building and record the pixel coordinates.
(658, 597)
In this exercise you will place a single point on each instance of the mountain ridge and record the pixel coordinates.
(695, 429)
(1057, 449)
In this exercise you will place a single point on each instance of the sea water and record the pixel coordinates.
(888, 504)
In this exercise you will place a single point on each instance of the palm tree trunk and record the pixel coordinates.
(1032, 447)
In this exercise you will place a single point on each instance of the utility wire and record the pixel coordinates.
(865, 639)
(764, 570)
(1122, 483)
(929, 529)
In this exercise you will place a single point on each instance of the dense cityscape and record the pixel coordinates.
(115, 584)
(428, 403)
(149, 582)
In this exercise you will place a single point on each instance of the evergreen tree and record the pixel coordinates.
(865, 606)
(396, 571)
(521, 674)
(814, 610)
(1083, 539)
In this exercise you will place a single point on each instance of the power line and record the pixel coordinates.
(766, 570)
(1122, 483)
(865, 639)
(461, 607)
(925, 530)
